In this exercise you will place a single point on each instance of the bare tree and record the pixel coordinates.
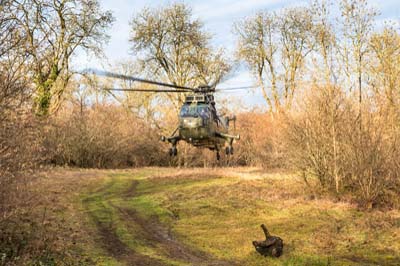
(385, 68)
(9, 37)
(266, 39)
(172, 46)
(52, 31)
(325, 42)
(357, 23)
(296, 27)
(13, 82)
(325, 45)
(257, 46)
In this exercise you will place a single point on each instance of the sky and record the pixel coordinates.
(218, 17)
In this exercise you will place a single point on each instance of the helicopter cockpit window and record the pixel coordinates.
(203, 111)
(188, 110)
(184, 110)
(195, 110)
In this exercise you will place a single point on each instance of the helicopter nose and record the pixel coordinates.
(192, 122)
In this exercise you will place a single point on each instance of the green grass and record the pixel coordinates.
(101, 204)
(220, 214)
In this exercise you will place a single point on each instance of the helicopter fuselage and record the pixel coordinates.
(201, 131)
(200, 126)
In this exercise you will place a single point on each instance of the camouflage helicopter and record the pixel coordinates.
(199, 123)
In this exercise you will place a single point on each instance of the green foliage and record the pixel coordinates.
(43, 99)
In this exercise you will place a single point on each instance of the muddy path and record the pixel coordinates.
(150, 230)
(107, 237)
(119, 250)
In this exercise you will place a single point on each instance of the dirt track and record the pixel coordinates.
(152, 232)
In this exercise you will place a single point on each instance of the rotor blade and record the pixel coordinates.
(142, 90)
(126, 77)
(236, 88)
(226, 76)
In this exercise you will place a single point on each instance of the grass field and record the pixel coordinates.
(163, 216)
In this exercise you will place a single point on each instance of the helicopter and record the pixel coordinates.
(199, 124)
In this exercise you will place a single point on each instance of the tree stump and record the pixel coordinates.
(271, 246)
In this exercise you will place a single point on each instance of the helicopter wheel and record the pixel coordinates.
(229, 150)
(173, 151)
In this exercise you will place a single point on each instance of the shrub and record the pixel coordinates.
(350, 153)
(103, 136)
(260, 141)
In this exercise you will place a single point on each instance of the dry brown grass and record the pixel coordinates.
(46, 226)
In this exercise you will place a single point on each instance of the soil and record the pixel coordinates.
(155, 233)
(117, 249)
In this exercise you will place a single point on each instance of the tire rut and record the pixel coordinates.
(152, 231)
(112, 244)
(119, 250)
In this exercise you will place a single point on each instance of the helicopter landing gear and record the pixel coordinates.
(229, 150)
(173, 151)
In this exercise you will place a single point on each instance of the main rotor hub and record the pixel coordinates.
(204, 89)
(200, 97)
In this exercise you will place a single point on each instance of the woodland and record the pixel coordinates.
(328, 72)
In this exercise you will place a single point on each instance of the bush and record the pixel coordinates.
(103, 136)
(21, 154)
(260, 141)
(351, 155)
